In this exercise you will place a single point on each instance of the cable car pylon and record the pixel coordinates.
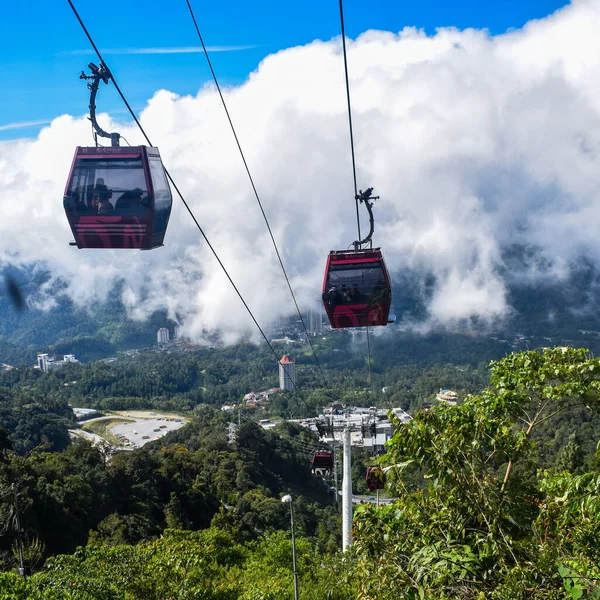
(347, 505)
(347, 492)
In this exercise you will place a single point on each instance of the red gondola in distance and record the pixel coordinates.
(322, 463)
(118, 197)
(375, 478)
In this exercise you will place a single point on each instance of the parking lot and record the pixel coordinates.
(141, 431)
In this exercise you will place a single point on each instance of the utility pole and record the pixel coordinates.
(287, 499)
(347, 493)
(17, 522)
(335, 476)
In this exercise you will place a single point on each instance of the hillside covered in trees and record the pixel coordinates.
(495, 498)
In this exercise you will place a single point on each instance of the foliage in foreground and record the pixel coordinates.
(206, 565)
(183, 481)
(474, 518)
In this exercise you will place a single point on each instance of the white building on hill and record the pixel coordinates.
(46, 363)
(314, 321)
(287, 373)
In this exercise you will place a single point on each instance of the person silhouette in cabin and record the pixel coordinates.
(100, 197)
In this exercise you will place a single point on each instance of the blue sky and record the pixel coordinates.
(43, 49)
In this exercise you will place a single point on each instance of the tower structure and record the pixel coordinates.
(42, 362)
(314, 320)
(287, 373)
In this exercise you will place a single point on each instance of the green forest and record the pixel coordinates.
(496, 497)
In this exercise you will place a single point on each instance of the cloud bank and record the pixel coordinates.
(476, 145)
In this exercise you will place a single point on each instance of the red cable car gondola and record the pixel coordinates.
(116, 197)
(357, 291)
(375, 478)
(322, 463)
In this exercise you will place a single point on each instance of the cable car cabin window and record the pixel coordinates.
(114, 187)
(357, 285)
(162, 195)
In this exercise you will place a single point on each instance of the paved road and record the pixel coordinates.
(107, 448)
(92, 437)
(372, 499)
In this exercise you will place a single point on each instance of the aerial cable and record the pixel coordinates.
(237, 141)
(175, 186)
(356, 196)
(301, 446)
(363, 196)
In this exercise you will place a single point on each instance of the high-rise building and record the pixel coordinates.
(176, 332)
(287, 373)
(314, 321)
(41, 362)
(162, 335)
(47, 363)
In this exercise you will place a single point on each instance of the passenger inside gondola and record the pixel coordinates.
(333, 296)
(354, 295)
(100, 198)
(355, 285)
(95, 182)
(131, 203)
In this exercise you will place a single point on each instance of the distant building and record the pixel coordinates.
(176, 332)
(287, 373)
(314, 321)
(41, 362)
(283, 340)
(162, 335)
(46, 363)
(447, 396)
(260, 396)
(81, 414)
(369, 427)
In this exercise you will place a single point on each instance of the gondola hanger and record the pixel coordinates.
(116, 197)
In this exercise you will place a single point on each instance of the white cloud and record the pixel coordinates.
(23, 124)
(167, 50)
(474, 143)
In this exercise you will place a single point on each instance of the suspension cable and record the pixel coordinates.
(350, 118)
(356, 195)
(177, 189)
(237, 141)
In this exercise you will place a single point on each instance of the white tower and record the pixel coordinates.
(42, 360)
(287, 373)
